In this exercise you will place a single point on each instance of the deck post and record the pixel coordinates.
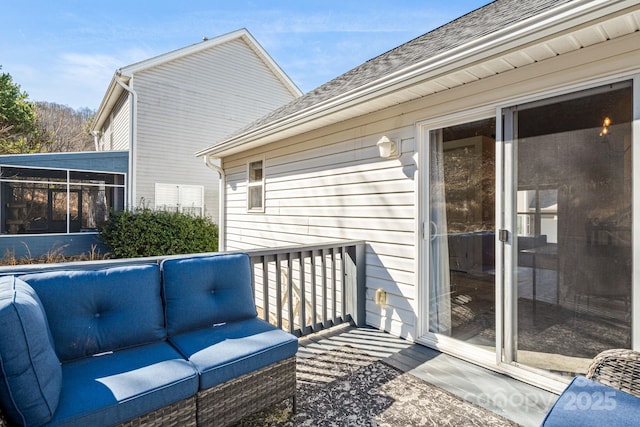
(355, 283)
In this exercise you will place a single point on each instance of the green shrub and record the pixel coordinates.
(145, 232)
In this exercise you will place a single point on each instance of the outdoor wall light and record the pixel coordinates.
(388, 148)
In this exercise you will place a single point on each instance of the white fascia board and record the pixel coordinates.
(106, 106)
(535, 29)
(130, 70)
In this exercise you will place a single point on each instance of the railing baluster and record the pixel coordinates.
(323, 261)
(303, 296)
(290, 291)
(314, 307)
(279, 290)
(334, 287)
(343, 286)
(253, 276)
(265, 288)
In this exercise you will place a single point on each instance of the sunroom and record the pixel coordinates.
(58, 200)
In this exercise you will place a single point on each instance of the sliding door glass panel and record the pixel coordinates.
(462, 232)
(572, 296)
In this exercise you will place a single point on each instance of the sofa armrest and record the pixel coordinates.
(617, 368)
(586, 403)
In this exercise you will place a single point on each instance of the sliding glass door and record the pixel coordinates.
(568, 198)
(527, 239)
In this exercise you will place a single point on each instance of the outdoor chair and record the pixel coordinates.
(617, 368)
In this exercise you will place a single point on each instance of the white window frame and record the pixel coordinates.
(255, 184)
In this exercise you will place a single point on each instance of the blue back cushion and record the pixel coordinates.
(202, 291)
(96, 311)
(30, 372)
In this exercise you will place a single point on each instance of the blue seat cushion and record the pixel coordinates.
(109, 389)
(587, 403)
(94, 311)
(226, 351)
(202, 291)
(30, 373)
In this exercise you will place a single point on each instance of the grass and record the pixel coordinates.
(53, 255)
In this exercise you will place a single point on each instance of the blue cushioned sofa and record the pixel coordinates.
(608, 395)
(171, 343)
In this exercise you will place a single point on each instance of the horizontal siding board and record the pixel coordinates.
(384, 173)
(300, 235)
(335, 211)
(397, 276)
(402, 326)
(369, 189)
(275, 223)
(396, 288)
(374, 259)
(374, 199)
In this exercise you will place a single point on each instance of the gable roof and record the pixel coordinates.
(489, 30)
(125, 74)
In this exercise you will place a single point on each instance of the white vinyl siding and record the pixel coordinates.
(120, 129)
(186, 104)
(330, 183)
(115, 131)
(339, 191)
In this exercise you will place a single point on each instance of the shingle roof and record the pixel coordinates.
(480, 22)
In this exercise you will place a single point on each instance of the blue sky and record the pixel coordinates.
(66, 51)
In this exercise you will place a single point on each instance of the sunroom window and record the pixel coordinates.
(38, 200)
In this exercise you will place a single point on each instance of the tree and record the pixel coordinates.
(18, 128)
(66, 128)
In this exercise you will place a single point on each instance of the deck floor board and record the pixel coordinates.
(513, 399)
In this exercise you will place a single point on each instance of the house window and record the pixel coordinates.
(255, 186)
(37, 200)
(187, 199)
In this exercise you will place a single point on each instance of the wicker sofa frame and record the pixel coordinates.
(226, 403)
(617, 368)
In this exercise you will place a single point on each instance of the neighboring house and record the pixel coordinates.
(162, 110)
(490, 165)
(52, 203)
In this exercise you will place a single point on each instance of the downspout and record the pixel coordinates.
(131, 176)
(96, 139)
(208, 161)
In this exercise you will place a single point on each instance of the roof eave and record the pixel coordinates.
(539, 27)
(114, 91)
